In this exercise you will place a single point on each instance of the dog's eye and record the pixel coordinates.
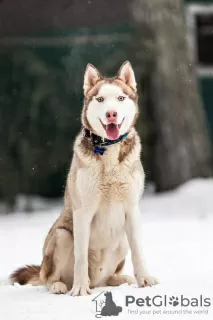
(100, 99)
(121, 98)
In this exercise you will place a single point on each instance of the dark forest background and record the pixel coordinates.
(44, 50)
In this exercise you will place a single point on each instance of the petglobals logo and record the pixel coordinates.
(167, 305)
(105, 306)
(165, 301)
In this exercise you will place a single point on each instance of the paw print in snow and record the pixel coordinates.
(174, 301)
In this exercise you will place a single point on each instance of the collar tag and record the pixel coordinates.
(99, 143)
(99, 150)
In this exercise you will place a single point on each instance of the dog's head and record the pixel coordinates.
(108, 294)
(110, 104)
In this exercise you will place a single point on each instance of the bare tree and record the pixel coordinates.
(180, 143)
(101, 304)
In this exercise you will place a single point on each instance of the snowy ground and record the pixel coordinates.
(177, 235)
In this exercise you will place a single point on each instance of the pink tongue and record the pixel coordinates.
(112, 131)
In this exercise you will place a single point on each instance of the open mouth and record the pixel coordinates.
(112, 129)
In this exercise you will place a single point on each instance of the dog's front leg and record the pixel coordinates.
(133, 229)
(81, 221)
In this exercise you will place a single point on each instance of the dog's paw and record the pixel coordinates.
(80, 290)
(58, 288)
(128, 279)
(147, 281)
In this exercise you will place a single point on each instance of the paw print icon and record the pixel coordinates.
(173, 301)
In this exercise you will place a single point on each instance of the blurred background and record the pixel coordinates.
(44, 49)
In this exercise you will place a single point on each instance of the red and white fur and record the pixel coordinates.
(88, 244)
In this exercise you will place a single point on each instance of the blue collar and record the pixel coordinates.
(100, 143)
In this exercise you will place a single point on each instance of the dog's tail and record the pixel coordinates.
(26, 275)
(119, 309)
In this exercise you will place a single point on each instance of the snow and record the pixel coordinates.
(177, 237)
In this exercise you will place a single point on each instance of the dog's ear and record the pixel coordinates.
(126, 74)
(91, 77)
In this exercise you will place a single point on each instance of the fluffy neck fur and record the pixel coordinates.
(119, 151)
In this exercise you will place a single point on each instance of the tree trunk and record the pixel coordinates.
(181, 148)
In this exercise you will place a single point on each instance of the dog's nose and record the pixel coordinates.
(111, 115)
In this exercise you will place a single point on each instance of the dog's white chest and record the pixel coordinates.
(115, 185)
(108, 225)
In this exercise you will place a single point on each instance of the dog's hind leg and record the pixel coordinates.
(58, 262)
(120, 267)
(117, 280)
(57, 287)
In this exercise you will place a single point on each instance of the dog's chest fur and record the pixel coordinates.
(114, 177)
(107, 226)
(114, 184)
(109, 184)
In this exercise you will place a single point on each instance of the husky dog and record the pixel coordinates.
(87, 245)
